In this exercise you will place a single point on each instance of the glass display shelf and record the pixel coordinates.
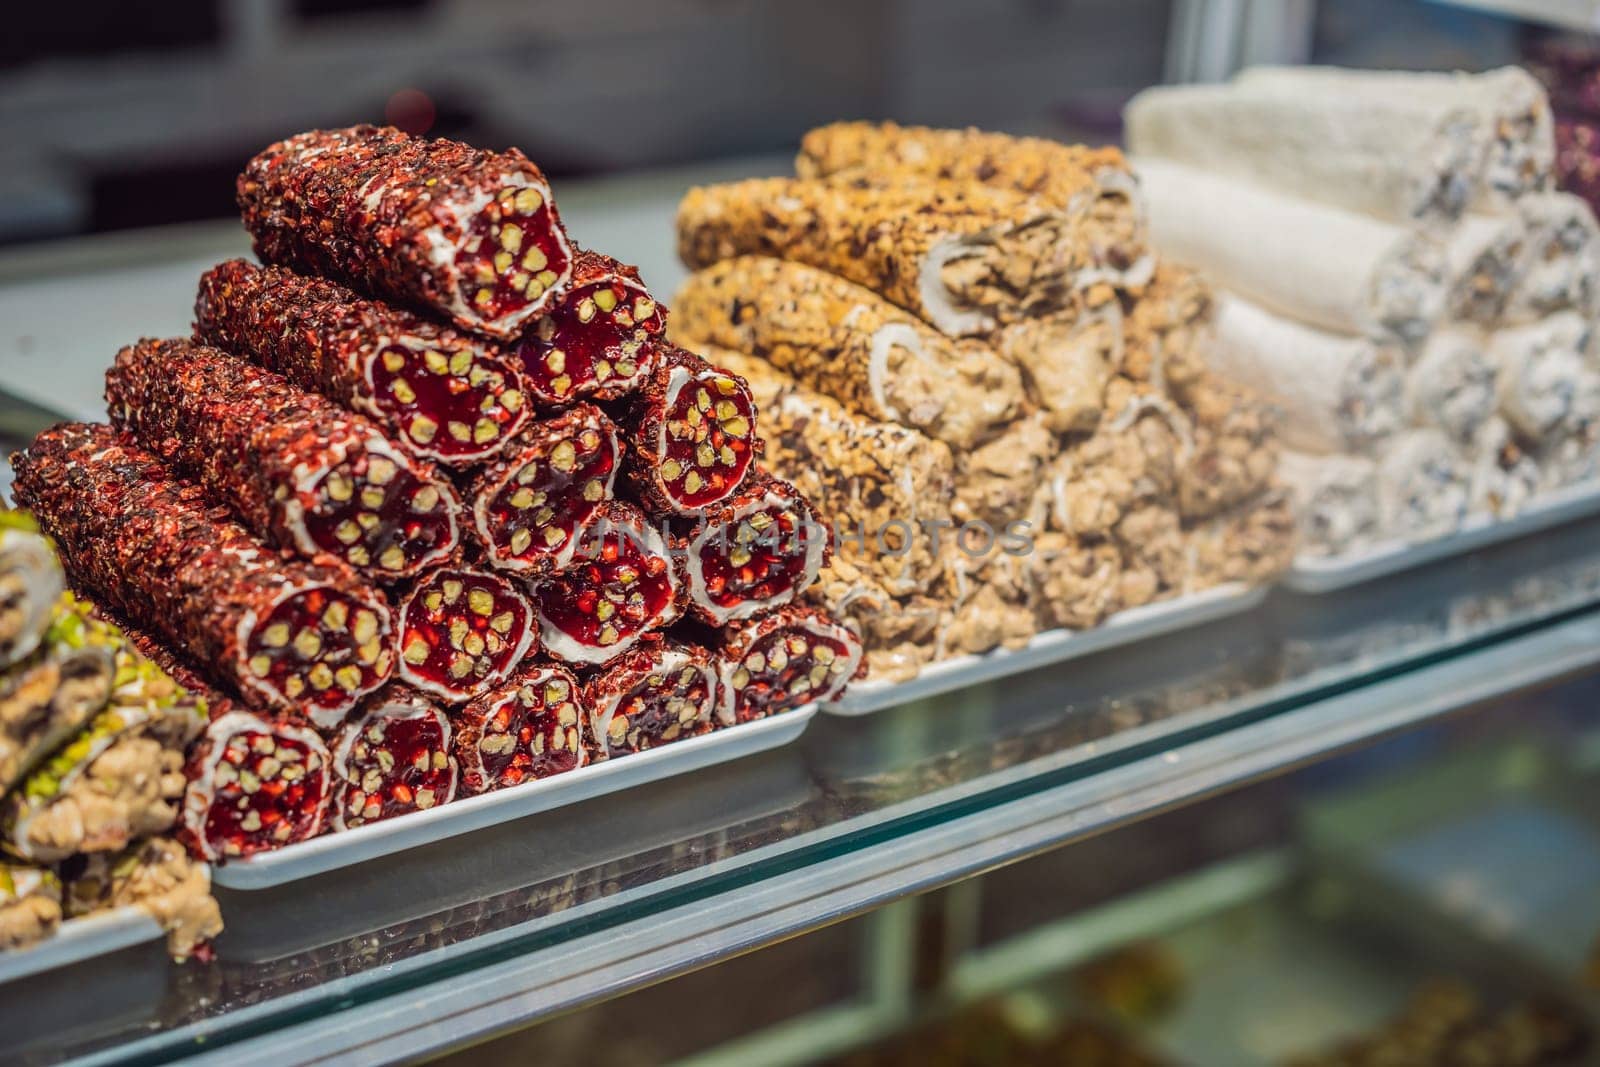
(439, 946)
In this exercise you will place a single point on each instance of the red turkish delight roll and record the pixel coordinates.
(781, 661)
(529, 505)
(620, 584)
(529, 729)
(300, 470)
(692, 436)
(441, 394)
(599, 340)
(462, 631)
(755, 552)
(254, 784)
(300, 636)
(393, 759)
(660, 692)
(433, 224)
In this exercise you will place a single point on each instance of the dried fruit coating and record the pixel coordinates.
(526, 730)
(783, 660)
(528, 506)
(296, 635)
(254, 784)
(393, 760)
(463, 631)
(620, 585)
(758, 552)
(657, 693)
(599, 341)
(692, 436)
(441, 394)
(431, 224)
(299, 470)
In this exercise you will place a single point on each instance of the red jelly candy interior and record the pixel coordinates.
(510, 254)
(598, 342)
(394, 764)
(561, 481)
(269, 791)
(785, 669)
(374, 513)
(710, 427)
(664, 706)
(531, 733)
(615, 589)
(462, 630)
(755, 560)
(319, 648)
(455, 405)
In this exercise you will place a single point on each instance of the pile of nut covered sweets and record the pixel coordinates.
(428, 506)
(92, 740)
(967, 355)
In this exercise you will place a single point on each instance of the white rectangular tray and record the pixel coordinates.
(332, 851)
(80, 939)
(1051, 646)
(1325, 574)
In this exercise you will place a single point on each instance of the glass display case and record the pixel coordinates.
(1344, 823)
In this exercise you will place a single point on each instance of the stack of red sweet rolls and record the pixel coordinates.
(429, 504)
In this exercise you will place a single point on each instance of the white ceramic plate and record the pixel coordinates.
(332, 851)
(1324, 574)
(1051, 646)
(79, 939)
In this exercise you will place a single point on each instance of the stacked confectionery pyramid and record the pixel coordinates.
(431, 503)
(1400, 278)
(968, 356)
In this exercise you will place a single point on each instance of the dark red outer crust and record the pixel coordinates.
(649, 471)
(455, 647)
(530, 728)
(738, 570)
(154, 550)
(359, 205)
(254, 441)
(668, 692)
(756, 690)
(623, 582)
(605, 351)
(393, 759)
(370, 357)
(285, 795)
(568, 464)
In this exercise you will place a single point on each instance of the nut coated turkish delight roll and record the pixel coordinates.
(1423, 485)
(290, 634)
(528, 506)
(758, 551)
(1563, 264)
(30, 582)
(1335, 500)
(600, 338)
(157, 877)
(527, 729)
(393, 758)
(443, 395)
(660, 692)
(255, 784)
(1368, 276)
(1066, 359)
(30, 904)
(621, 583)
(783, 660)
(1486, 257)
(1167, 333)
(845, 341)
(300, 471)
(867, 476)
(1236, 446)
(1504, 476)
(691, 435)
(434, 224)
(47, 699)
(120, 777)
(1452, 384)
(1071, 177)
(1541, 369)
(462, 631)
(1254, 543)
(964, 257)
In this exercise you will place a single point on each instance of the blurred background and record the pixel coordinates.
(122, 115)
